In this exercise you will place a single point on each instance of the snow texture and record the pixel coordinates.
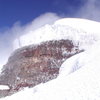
(4, 87)
(80, 31)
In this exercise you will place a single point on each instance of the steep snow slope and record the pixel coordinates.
(80, 31)
(81, 82)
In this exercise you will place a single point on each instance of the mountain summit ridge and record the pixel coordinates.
(80, 31)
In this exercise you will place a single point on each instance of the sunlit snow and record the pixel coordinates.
(4, 87)
(84, 24)
(80, 31)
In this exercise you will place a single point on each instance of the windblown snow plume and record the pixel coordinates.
(10, 34)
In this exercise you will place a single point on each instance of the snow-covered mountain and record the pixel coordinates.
(81, 31)
(79, 75)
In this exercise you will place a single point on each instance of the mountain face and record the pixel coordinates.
(41, 53)
(36, 64)
(79, 79)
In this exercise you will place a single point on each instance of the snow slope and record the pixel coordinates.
(79, 79)
(81, 84)
(80, 31)
(84, 24)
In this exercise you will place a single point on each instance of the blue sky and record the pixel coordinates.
(25, 11)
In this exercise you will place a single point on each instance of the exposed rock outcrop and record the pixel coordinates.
(35, 64)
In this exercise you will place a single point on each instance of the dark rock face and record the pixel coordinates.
(36, 64)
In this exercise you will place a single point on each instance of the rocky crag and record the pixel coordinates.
(34, 64)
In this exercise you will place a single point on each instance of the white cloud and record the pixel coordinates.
(8, 36)
(91, 10)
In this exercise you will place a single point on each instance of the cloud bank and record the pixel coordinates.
(90, 10)
(8, 36)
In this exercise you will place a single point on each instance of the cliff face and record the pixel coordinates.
(35, 64)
